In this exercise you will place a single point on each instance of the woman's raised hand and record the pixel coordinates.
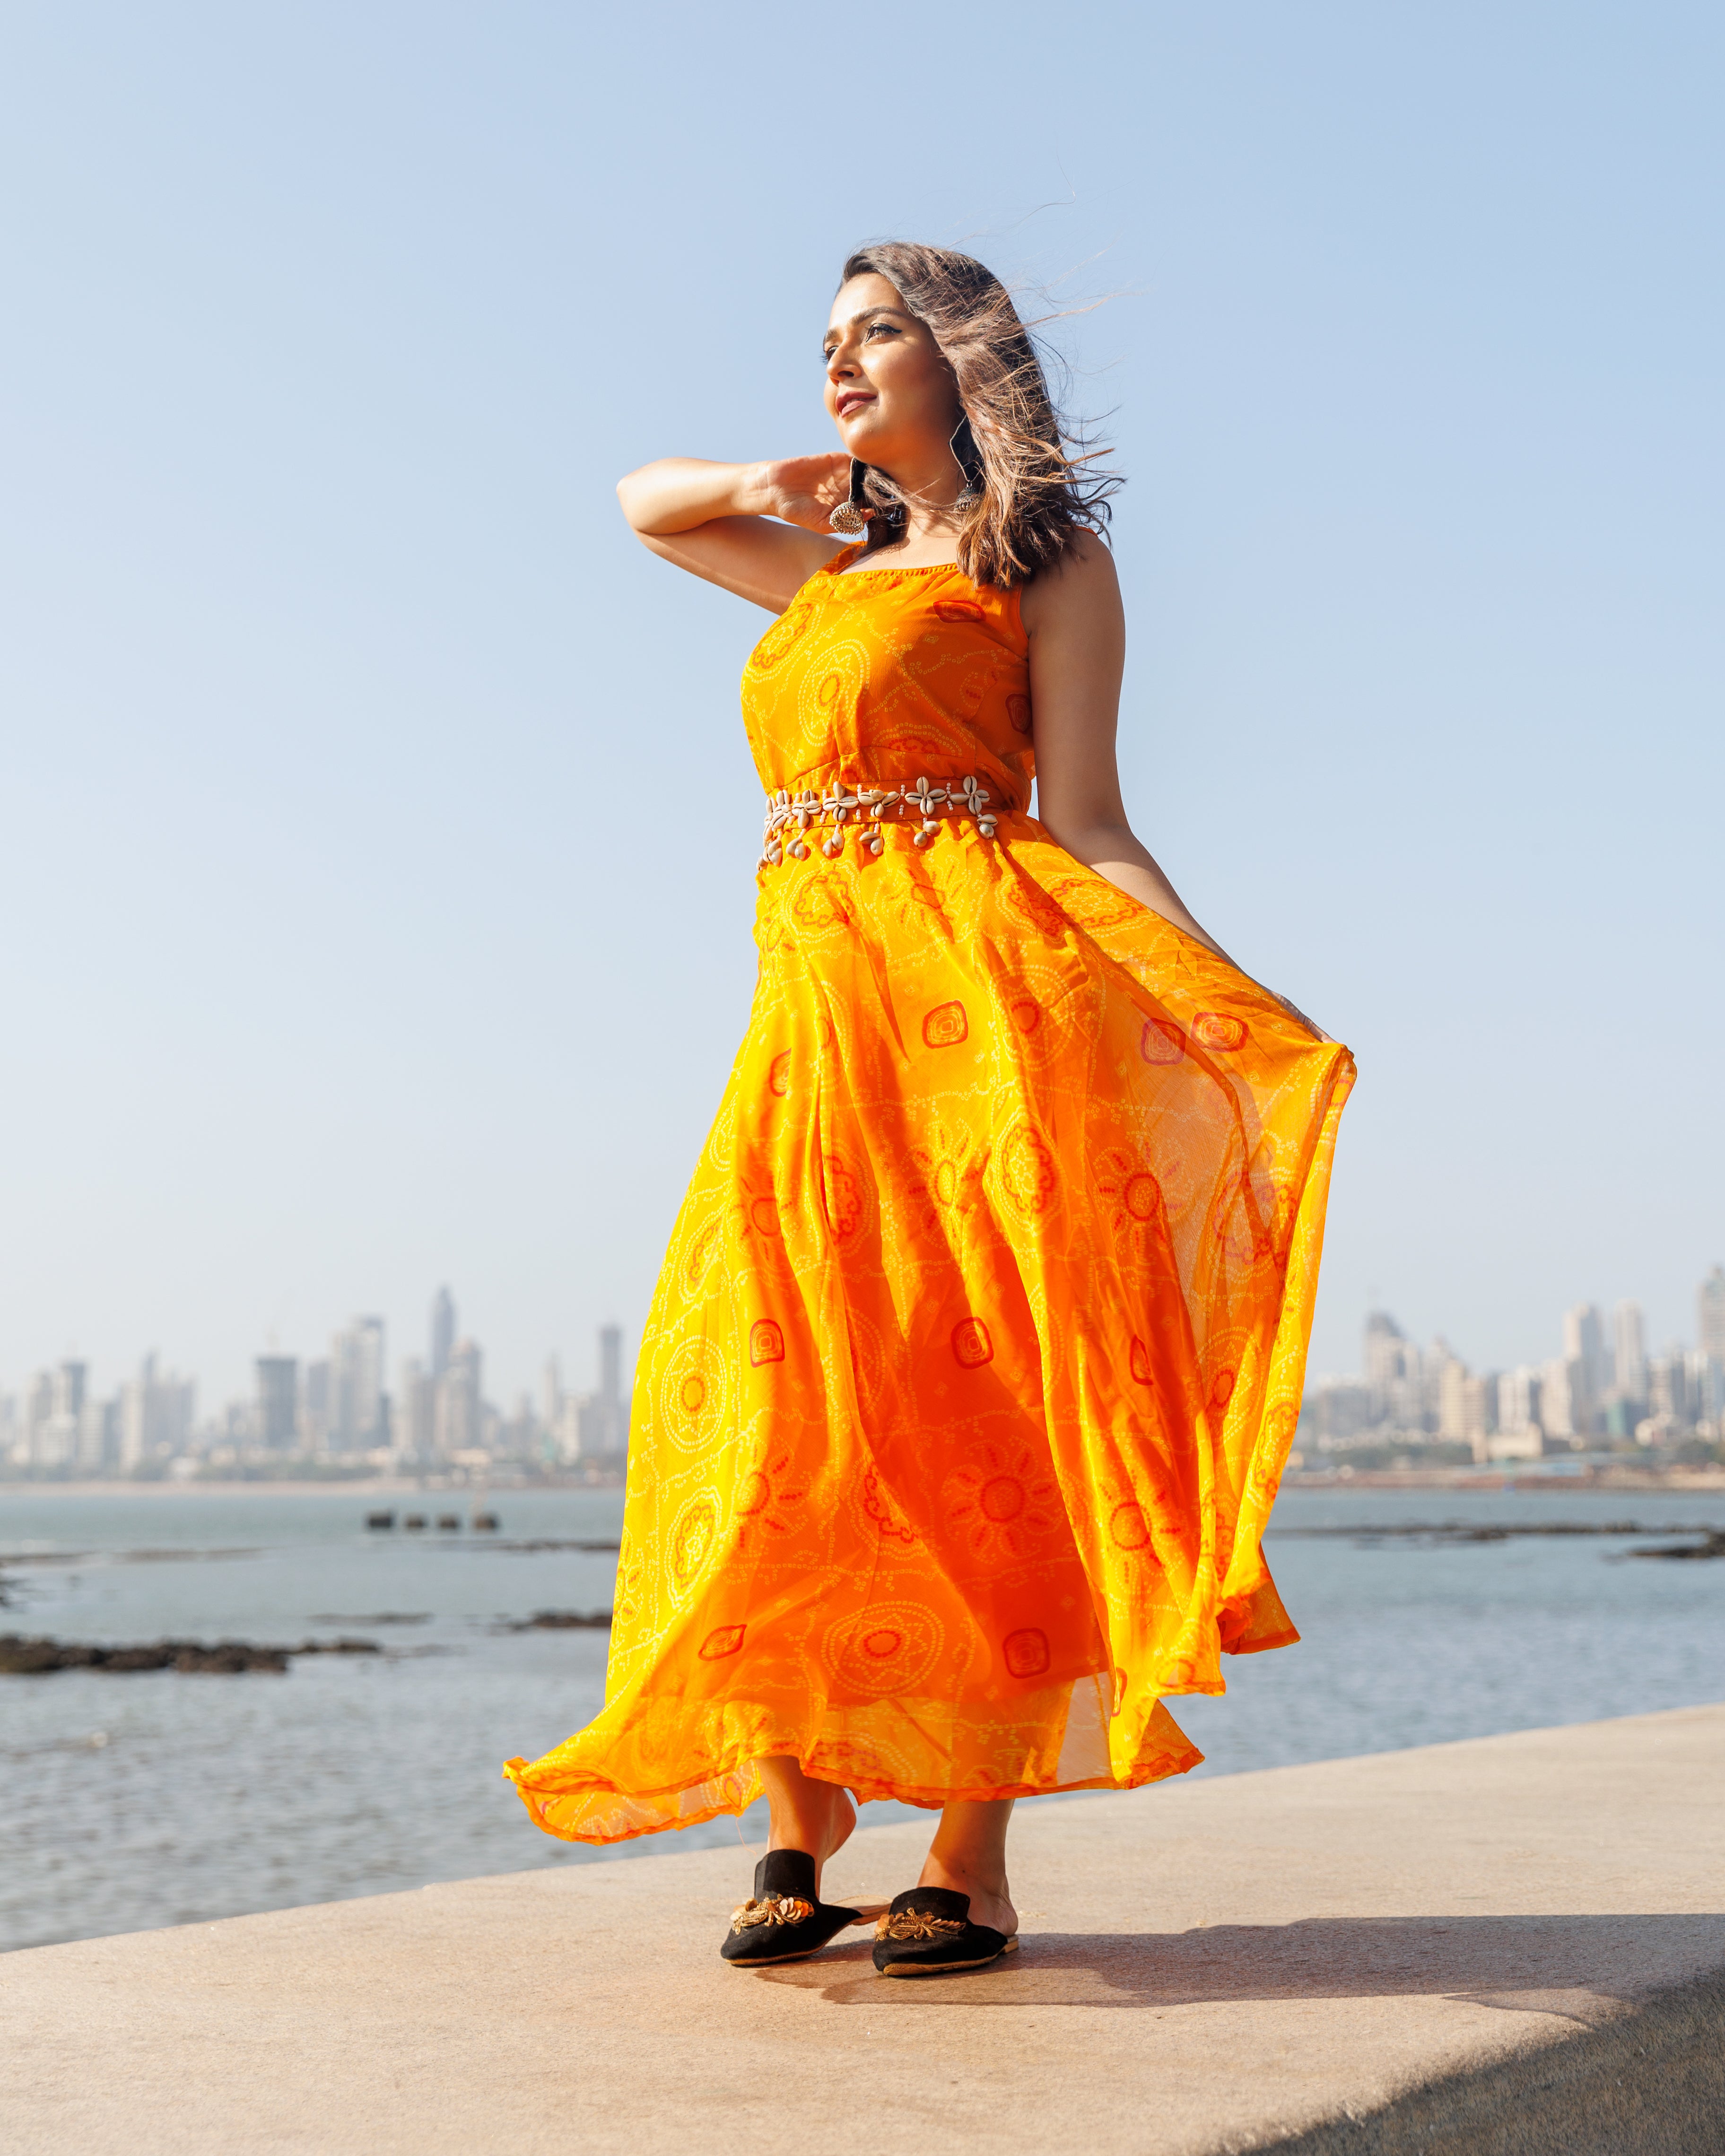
(759, 530)
(806, 490)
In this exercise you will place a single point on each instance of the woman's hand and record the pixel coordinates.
(805, 490)
(748, 527)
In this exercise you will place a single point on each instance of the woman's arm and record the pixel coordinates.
(1076, 628)
(758, 530)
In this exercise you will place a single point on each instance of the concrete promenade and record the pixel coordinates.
(1514, 1945)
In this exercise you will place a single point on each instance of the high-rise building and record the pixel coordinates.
(277, 1421)
(1452, 1398)
(1707, 1388)
(416, 1427)
(551, 1394)
(1386, 1352)
(314, 1407)
(1710, 1308)
(98, 1435)
(1668, 1388)
(1563, 1403)
(56, 1434)
(604, 1415)
(1518, 1402)
(443, 1331)
(35, 1410)
(1584, 1350)
(358, 1416)
(157, 1412)
(460, 1401)
(1630, 1339)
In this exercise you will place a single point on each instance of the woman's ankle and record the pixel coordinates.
(815, 1817)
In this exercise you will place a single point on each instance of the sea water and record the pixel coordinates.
(128, 1801)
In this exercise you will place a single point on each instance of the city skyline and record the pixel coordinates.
(1604, 1386)
(337, 1408)
(1605, 1383)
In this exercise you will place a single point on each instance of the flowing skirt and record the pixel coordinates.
(977, 1355)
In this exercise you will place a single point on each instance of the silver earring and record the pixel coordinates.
(848, 520)
(971, 493)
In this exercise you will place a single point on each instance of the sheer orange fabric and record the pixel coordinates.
(977, 1355)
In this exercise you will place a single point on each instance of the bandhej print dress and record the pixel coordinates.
(977, 1354)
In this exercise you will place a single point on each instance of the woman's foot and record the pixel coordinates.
(817, 1817)
(990, 1900)
(784, 1919)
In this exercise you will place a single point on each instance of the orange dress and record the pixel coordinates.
(977, 1351)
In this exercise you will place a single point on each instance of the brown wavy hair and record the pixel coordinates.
(1031, 466)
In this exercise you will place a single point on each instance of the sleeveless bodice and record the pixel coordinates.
(885, 675)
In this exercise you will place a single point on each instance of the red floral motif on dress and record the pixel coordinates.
(844, 1196)
(1026, 1652)
(1028, 1171)
(971, 1343)
(1217, 1030)
(945, 1026)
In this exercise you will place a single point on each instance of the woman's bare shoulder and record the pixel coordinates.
(1082, 583)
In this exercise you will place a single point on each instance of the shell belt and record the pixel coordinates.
(790, 815)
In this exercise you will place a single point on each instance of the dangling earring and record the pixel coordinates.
(847, 519)
(970, 467)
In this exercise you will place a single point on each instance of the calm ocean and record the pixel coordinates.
(130, 1801)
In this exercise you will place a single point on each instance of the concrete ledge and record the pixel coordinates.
(1512, 1945)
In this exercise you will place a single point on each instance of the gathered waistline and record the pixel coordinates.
(866, 807)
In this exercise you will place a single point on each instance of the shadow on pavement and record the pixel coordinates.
(1582, 1968)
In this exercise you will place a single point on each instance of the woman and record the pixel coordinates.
(977, 1351)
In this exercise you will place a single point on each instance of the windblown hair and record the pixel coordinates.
(1030, 466)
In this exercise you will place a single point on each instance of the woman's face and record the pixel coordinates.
(890, 393)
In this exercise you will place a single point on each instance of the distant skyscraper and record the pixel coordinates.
(1518, 1401)
(1590, 1381)
(357, 1414)
(461, 1400)
(1631, 1341)
(278, 1402)
(314, 1407)
(1710, 1303)
(604, 1415)
(416, 1423)
(156, 1414)
(443, 1331)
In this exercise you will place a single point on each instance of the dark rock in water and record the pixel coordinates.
(380, 1523)
(485, 1524)
(414, 1523)
(1712, 1546)
(21, 1657)
(564, 1620)
(448, 1523)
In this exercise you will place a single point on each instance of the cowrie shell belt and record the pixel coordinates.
(866, 809)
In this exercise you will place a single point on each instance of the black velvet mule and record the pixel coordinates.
(928, 1932)
(781, 1921)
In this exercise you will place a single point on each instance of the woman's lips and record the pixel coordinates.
(852, 400)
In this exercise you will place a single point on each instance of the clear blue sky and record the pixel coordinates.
(377, 825)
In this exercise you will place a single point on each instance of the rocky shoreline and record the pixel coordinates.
(23, 1657)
